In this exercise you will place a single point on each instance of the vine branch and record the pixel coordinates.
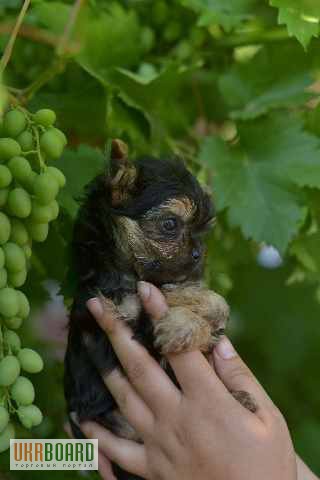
(9, 47)
(39, 35)
(61, 48)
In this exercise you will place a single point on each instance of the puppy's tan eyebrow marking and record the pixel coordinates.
(182, 207)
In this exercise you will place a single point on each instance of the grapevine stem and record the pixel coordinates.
(38, 35)
(9, 47)
(61, 48)
(36, 134)
(254, 37)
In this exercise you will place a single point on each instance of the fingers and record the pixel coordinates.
(130, 456)
(192, 370)
(153, 300)
(105, 468)
(236, 376)
(144, 373)
(130, 404)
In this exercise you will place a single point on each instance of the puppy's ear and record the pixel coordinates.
(123, 173)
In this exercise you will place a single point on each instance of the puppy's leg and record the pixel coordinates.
(205, 303)
(181, 330)
(212, 308)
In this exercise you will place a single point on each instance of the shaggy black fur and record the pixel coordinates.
(99, 267)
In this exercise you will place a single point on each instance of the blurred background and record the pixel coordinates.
(232, 87)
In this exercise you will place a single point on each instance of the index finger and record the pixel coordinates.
(144, 373)
(192, 370)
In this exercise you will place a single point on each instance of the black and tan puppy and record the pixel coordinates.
(139, 221)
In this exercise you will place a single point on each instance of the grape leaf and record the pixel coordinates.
(255, 179)
(253, 88)
(80, 107)
(109, 39)
(309, 8)
(299, 20)
(306, 250)
(153, 98)
(228, 14)
(79, 167)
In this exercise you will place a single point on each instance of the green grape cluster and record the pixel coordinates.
(28, 191)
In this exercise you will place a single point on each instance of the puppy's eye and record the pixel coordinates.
(170, 224)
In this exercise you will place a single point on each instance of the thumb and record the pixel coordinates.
(236, 376)
(153, 300)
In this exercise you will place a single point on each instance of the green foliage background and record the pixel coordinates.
(232, 87)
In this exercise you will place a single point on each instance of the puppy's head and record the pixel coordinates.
(160, 214)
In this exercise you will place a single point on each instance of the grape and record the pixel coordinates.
(19, 203)
(30, 360)
(3, 277)
(15, 257)
(58, 175)
(2, 258)
(13, 341)
(4, 192)
(60, 134)
(24, 307)
(29, 181)
(19, 233)
(45, 188)
(25, 419)
(30, 415)
(9, 304)
(9, 370)
(20, 168)
(54, 207)
(5, 176)
(14, 122)
(4, 418)
(17, 279)
(31, 197)
(51, 144)
(41, 213)
(45, 117)
(38, 231)
(22, 391)
(9, 148)
(25, 140)
(13, 322)
(27, 251)
(5, 437)
(5, 228)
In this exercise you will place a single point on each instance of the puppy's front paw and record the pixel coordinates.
(204, 303)
(181, 330)
(245, 399)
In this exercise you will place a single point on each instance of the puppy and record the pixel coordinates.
(139, 221)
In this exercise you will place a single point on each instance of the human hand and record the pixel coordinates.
(200, 431)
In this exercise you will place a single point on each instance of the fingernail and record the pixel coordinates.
(225, 349)
(95, 307)
(144, 290)
(86, 428)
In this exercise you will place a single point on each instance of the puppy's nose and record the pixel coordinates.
(196, 254)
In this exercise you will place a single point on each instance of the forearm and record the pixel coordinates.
(304, 473)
